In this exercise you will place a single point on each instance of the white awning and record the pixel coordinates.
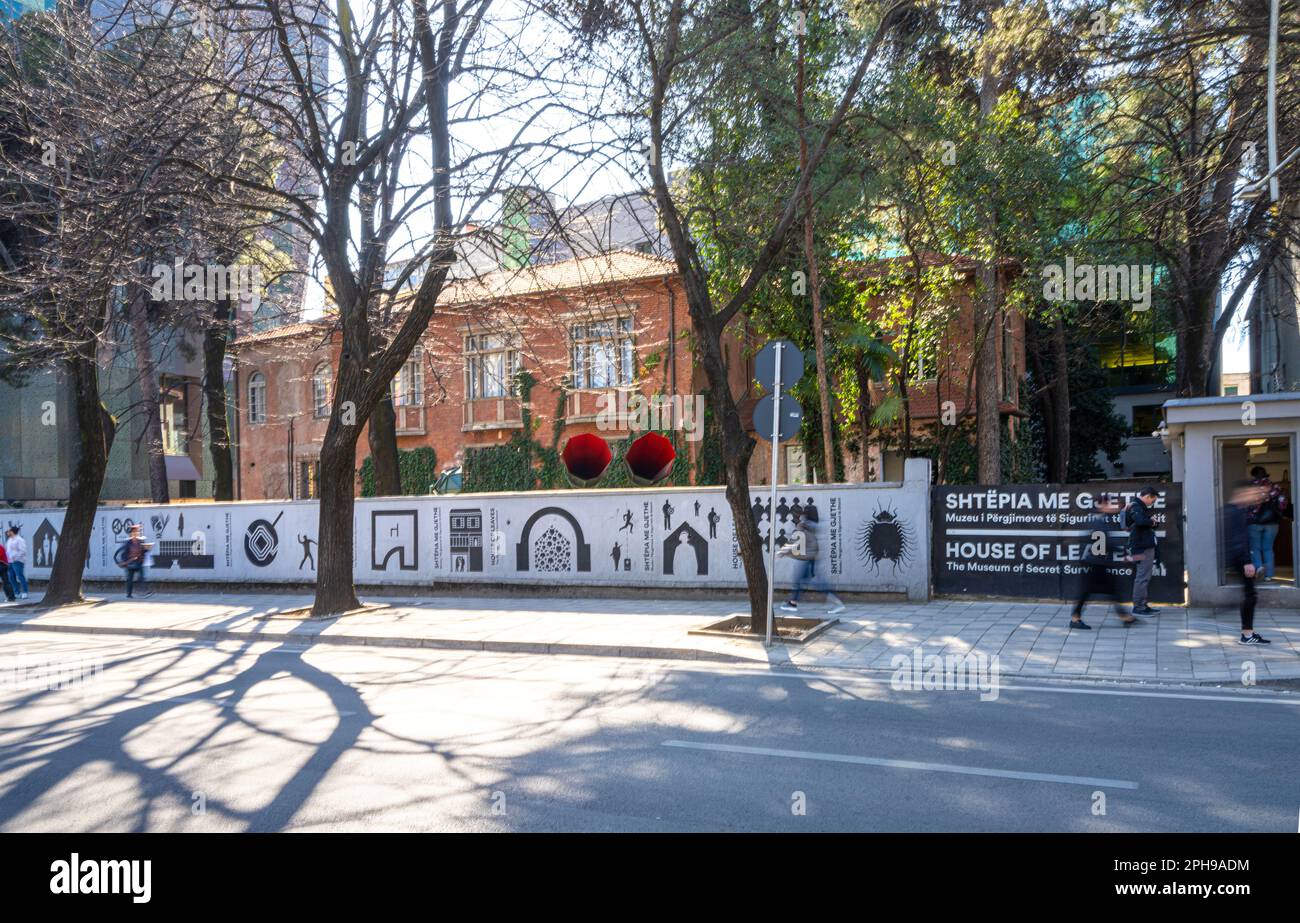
(180, 468)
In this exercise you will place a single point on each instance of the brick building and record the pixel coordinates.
(599, 325)
(595, 325)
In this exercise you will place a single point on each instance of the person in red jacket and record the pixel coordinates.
(4, 574)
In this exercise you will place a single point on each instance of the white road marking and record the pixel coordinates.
(906, 764)
(1244, 697)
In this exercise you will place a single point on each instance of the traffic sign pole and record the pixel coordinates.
(771, 523)
(779, 363)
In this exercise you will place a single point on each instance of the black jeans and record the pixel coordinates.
(4, 582)
(134, 574)
(1098, 581)
(1247, 603)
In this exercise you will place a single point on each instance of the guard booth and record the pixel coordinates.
(1215, 442)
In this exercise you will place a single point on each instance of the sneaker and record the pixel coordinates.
(1253, 639)
(789, 607)
(1080, 623)
(1144, 610)
(838, 606)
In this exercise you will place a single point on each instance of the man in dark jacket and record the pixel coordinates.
(1236, 552)
(1098, 546)
(1141, 545)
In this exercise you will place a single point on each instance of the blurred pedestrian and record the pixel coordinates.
(16, 549)
(132, 558)
(805, 549)
(4, 574)
(1236, 551)
(1099, 580)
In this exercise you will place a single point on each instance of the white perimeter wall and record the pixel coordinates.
(874, 537)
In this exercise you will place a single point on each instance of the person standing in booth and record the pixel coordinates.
(1265, 518)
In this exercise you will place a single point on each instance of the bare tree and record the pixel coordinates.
(368, 100)
(92, 147)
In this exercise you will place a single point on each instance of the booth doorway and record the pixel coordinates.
(1274, 453)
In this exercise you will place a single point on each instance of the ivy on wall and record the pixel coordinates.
(418, 468)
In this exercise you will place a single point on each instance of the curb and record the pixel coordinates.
(457, 644)
(561, 648)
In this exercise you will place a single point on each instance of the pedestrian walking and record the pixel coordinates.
(131, 556)
(805, 549)
(1141, 546)
(1099, 579)
(1265, 519)
(4, 574)
(16, 550)
(1236, 551)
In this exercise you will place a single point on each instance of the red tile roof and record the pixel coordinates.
(578, 273)
(319, 327)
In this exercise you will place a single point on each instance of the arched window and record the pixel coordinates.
(320, 390)
(257, 398)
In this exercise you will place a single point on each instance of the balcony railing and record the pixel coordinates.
(588, 402)
(410, 419)
(492, 413)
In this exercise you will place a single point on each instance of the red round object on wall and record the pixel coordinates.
(585, 457)
(649, 459)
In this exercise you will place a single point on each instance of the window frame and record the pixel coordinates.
(401, 390)
(257, 414)
(320, 402)
(475, 353)
(617, 349)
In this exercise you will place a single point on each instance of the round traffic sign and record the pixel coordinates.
(791, 365)
(789, 416)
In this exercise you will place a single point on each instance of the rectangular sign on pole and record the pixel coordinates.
(1027, 540)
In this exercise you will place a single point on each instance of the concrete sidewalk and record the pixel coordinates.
(1178, 645)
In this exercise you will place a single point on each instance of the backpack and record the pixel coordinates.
(809, 546)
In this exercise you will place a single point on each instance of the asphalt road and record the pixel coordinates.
(228, 737)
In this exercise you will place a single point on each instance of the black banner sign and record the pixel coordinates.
(1028, 540)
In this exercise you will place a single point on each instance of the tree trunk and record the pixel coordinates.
(1060, 403)
(215, 338)
(737, 448)
(383, 449)
(988, 425)
(814, 282)
(864, 413)
(138, 311)
(95, 429)
(335, 592)
(1195, 332)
